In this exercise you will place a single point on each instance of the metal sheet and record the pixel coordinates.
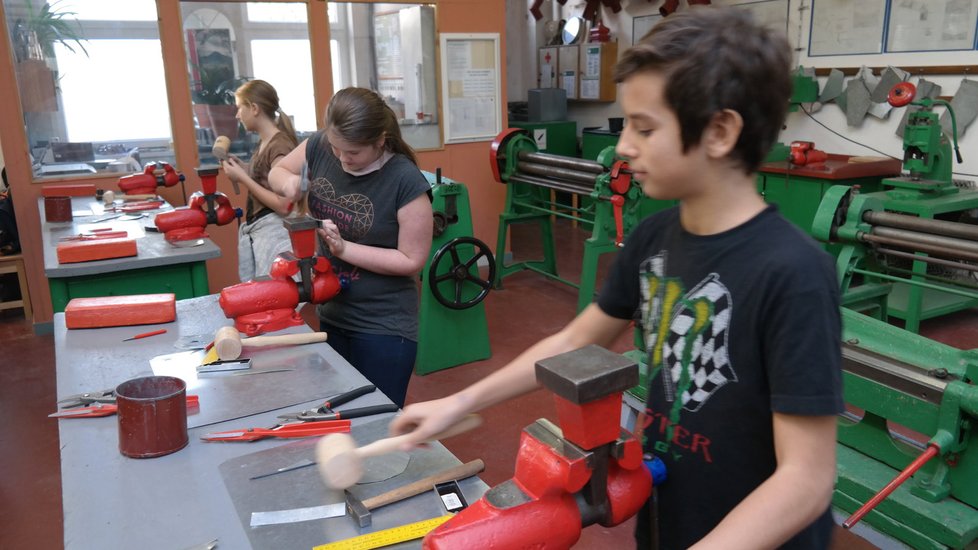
(252, 394)
(303, 488)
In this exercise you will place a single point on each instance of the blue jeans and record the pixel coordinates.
(386, 360)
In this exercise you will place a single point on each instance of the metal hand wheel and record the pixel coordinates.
(460, 273)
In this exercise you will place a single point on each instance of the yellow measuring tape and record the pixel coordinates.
(387, 537)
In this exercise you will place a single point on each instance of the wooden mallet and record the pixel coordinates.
(341, 461)
(228, 342)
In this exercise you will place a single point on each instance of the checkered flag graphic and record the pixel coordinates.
(708, 364)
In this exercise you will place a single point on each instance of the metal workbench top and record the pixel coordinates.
(153, 250)
(180, 500)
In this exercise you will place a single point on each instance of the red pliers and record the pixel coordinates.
(314, 422)
(97, 403)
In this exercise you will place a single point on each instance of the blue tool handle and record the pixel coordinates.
(656, 467)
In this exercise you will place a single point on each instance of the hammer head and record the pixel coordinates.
(227, 343)
(356, 509)
(339, 464)
(220, 148)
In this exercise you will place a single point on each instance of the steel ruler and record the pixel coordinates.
(387, 537)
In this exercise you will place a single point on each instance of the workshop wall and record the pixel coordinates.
(468, 163)
(872, 134)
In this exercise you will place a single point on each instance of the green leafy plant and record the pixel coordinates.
(214, 88)
(36, 35)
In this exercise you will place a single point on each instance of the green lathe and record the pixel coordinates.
(617, 204)
(908, 236)
(452, 328)
(907, 252)
(909, 395)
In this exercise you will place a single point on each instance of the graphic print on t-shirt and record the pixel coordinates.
(353, 213)
(686, 335)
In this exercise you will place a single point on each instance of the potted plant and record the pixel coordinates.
(213, 98)
(34, 37)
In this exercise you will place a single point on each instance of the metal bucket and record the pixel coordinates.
(152, 416)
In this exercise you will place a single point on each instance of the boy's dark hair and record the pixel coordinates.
(716, 58)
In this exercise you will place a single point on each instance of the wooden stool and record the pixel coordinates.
(15, 264)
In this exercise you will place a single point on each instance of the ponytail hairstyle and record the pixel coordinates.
(262, 94)
(361, 116)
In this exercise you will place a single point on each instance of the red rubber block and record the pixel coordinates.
(118, 311)
(69, 190)
(98, 249)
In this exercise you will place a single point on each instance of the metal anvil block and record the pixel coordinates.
(587, 385)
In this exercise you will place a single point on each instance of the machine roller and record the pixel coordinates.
(913, 235)
(880, 250)
(616, 204)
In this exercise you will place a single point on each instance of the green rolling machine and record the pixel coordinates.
(919, 402)
(617, 204)
(895, 222)
(917, 398)
(452, 328)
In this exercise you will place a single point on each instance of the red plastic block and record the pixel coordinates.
(118, 311)
(100, 249)
(69, 190)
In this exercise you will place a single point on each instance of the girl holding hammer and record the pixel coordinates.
(365, 186)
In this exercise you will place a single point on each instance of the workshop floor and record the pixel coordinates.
(527, 309)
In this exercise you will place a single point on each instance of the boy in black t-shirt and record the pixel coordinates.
(739, 309)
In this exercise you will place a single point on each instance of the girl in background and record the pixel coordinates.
(262, 237)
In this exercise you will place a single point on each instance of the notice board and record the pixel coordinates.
(470, 79)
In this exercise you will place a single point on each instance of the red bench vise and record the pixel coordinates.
(203, 208)
(270, 305)
(804, 153)
(153, 176)
(586, 471)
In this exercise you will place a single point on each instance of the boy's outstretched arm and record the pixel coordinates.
(793, 497)
(592, 326)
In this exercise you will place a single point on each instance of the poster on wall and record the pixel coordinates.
(843, 27)
(470, 87)
(772, 14)
(931, 25)
(642, 25)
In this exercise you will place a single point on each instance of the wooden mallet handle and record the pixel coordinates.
(228, 342)
(461, 471)
(391, 444)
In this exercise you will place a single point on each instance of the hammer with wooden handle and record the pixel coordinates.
(360, 510)
(228, 342)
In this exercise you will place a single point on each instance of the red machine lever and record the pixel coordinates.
(932, 451)
(618, 203)
(621, 181)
